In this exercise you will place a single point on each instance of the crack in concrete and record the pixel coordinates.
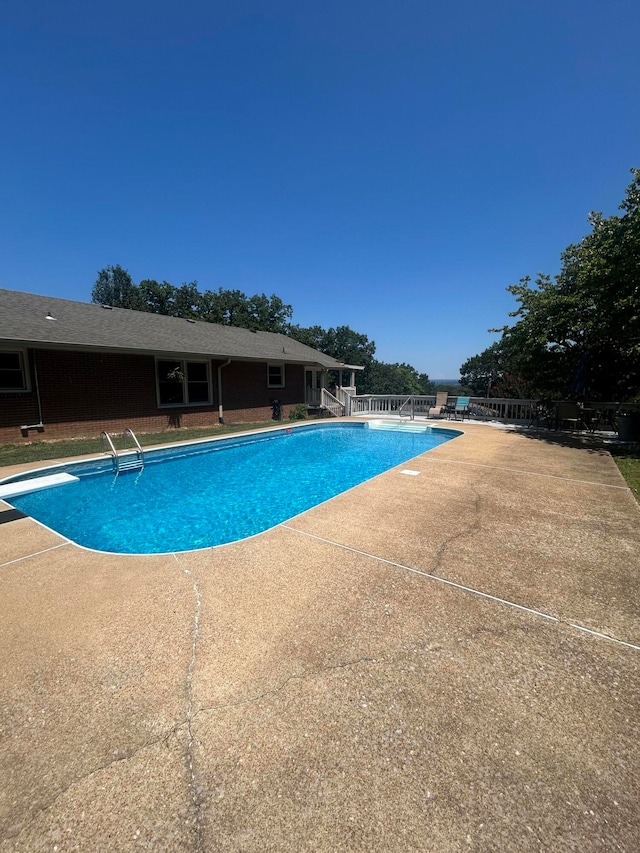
(163, 738)
(186, 722)
(274, 690)
(527, 473)
(474, 527)
(196, 799)
(462, 587)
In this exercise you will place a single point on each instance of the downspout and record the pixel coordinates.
(39, 426)
(220, 411)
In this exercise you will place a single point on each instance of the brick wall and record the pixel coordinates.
(83, 393)
(246, 397)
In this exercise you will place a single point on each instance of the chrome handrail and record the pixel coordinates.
(122, 464)
(139, 450)
(104, 434)
(401, 413)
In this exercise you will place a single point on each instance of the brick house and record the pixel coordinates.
(74, 369)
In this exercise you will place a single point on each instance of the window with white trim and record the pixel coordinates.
(182, 382)
(275, 375)
(13, 371)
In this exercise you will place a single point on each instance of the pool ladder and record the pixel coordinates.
(133, 462)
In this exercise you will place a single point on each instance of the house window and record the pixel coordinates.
(275, 375)
(183, 383)
(13, 372)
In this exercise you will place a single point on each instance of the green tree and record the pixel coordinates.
(268, 313)
(480, 371)
(157, 297)
(188, 301)
(212, 308)
(341, 343)
(580, 333)
(234, 308)
(114, 286)
(312, 336)
(380, 377)
(494, 373)
(351, 347)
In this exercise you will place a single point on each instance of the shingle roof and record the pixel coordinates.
(23, 320)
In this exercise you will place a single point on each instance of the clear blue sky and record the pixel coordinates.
(391, 166)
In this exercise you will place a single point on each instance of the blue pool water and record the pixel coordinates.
(200, 495)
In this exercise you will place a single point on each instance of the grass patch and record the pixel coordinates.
(40, 451)
(629, 465)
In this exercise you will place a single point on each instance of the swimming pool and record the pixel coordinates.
(210, 493)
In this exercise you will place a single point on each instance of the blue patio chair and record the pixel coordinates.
(461, 408)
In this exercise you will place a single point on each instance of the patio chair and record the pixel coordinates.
(603, 417)
(543, 412)
(441, 403)
(569, 415)
(461, 408)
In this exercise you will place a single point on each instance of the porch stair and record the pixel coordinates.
(331, 404)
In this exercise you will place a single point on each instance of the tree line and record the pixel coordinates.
(577, 335)
(114, 286)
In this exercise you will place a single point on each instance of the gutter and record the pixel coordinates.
(39, 426)
(220, 410)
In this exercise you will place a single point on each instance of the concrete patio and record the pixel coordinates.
(442, 662)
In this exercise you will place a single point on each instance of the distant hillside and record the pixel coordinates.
(446, 381)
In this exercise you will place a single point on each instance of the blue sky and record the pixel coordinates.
(391, 166)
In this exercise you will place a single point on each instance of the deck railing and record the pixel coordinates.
(502, 409)
(343, 396)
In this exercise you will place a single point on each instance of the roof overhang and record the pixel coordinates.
(285, 358)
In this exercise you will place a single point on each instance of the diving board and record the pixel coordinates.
(23, 487)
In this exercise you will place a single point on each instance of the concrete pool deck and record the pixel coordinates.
(441, 662)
